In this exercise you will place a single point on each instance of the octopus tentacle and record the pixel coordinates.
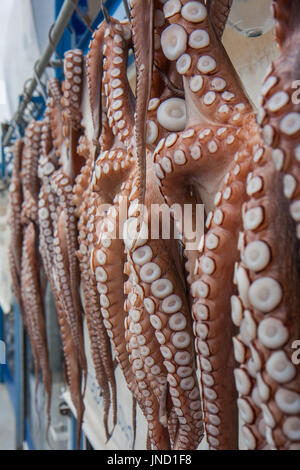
(82, 181)
(16, 282)
(279, 116)
(109, 275)
(61, 185)
(165, 318)
(47, 204)
(100, 345)
(15, 246)
(32, 301)
(71, 100)
(219, 11)
(66, 130)
(89, 218)
(97, 338)
(94, 75)
(269, 301)
(74, 365)
(272, 308)
(287, 19)
(144, 354)
(142, 25)
(146, 366)
(119, 97)
(216, 102)
(30, 271)
(211, 321)
(16, 199)
(118, 160)
(56, 118)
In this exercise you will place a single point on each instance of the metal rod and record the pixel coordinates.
(82, 17)
(41, 86)
(105, 11)
(127, 11)
(61, 23)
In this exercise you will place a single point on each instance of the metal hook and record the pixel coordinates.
(30, 102)
(168, 82)
(127, 11)
(53, 45)
(41, 86)
(105, 11)
(25, 92)
(83, 18)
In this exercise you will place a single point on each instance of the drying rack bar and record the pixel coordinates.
(58, 29)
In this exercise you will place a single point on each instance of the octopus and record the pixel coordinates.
(15, 247)
(27, 258)
(58, 167)
(200, 314)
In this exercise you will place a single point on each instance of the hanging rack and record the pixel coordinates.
(58, 29)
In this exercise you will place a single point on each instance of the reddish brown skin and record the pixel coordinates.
(15, 247)
(198, 182)
(280, 231)
(30, 276)
(115, 165)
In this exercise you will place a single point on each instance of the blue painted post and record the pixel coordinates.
(2, 161)
(2, 361)
(112, 6)
(65, 41)
(19, 375)
(73, 434)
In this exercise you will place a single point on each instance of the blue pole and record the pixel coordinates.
(2, 346)
(65, 41)
(19, 378)
(2, 161)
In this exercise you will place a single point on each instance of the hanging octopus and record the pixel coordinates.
(85, 200)
(267, 310)
(30, 277)
(57, 212)
(144, 368)
(91, 219)
(15, 247)
(206, 131)
(180, 156)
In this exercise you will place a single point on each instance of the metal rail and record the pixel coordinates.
(58, 29)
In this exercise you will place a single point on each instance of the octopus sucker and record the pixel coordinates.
(29, 277)
(273, 312)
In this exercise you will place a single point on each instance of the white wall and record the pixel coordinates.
(24, 28)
